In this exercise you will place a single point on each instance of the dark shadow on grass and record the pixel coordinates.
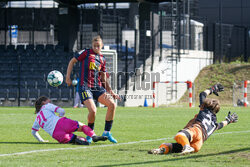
(14, 142)
(177, 158)
(235, 69)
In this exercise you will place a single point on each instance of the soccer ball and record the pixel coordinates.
(55, 78)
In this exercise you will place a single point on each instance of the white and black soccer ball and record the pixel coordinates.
(55, 78)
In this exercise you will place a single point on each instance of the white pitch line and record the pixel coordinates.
(108, 145)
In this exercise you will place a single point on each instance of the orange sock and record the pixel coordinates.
(166, 148)
(183, 140)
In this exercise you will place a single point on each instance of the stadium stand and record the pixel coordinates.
(35, 64)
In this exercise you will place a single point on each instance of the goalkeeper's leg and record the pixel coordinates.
(167, 148)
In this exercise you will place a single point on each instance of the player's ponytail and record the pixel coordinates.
(39, 103)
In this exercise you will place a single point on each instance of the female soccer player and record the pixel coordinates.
(94, 84)
(62, 128)
(191, 138)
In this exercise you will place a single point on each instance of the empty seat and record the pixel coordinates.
(11, 48)
(23, 94)
(49, 48)
(54, 94)
(20, 49)
(66, 94)
(30, 83)
(3, 94)
(2, 48)
(59, 48)
(44, 92)
(30, 50)
(39, 48)
(41, 84)
(23, 84)
(12, 94)
(33, 94)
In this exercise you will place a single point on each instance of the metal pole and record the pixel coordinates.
(100, 20)
(160, 36)
(33, 26)
(214, 45)
(245, 44)
(135, 50)
(81, 26)
(19, 79)
(10, 18)
(5, 26)
(117, 36)
(126, 70)
(153, 41)
(220, 32)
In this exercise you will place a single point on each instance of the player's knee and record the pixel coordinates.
(92, 110)
(112, 105)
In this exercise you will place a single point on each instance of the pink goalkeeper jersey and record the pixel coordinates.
(46, 118)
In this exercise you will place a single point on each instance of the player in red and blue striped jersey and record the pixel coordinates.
(94, 85)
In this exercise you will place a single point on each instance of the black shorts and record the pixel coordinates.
(90, 93)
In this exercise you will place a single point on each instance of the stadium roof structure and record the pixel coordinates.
(78, 2)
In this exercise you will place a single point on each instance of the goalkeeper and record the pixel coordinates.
(191, 138)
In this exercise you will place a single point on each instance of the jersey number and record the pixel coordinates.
(209, 124)
(85, 94)
(40, 119)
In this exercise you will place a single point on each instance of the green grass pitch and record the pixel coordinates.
(137, 131)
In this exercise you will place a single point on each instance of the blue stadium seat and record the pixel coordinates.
(30, 83)
(23, 84)
(44, 92)
(20, 49)
(54, 94)
(12, 94)
(66, 94)
(59, 48)
(30, 50)
(49, 48)
(3, 94)
(33, 94)
(11, 48)
(23, 94)
(39, 48)
(2, 48)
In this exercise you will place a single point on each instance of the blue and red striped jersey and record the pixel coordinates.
(91, 66)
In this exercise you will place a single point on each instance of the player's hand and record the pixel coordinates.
(115, 96)
(68, 81)
(216, 88)
(231, 118)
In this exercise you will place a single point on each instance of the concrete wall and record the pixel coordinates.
(187, 69)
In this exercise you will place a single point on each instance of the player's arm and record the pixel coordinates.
(106, 85)
(34, 132)
(214, 89)
(60, 111)
(37, 136)
(69, 70)
(230, 118)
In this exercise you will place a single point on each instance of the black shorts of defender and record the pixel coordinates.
(86, 93)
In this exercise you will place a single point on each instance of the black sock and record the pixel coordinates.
(91, 125)
(108, 125)
(177, 148)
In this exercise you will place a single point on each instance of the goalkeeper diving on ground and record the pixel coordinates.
(191, 138)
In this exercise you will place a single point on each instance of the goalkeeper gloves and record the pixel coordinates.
(216, 88)
(231, 118)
